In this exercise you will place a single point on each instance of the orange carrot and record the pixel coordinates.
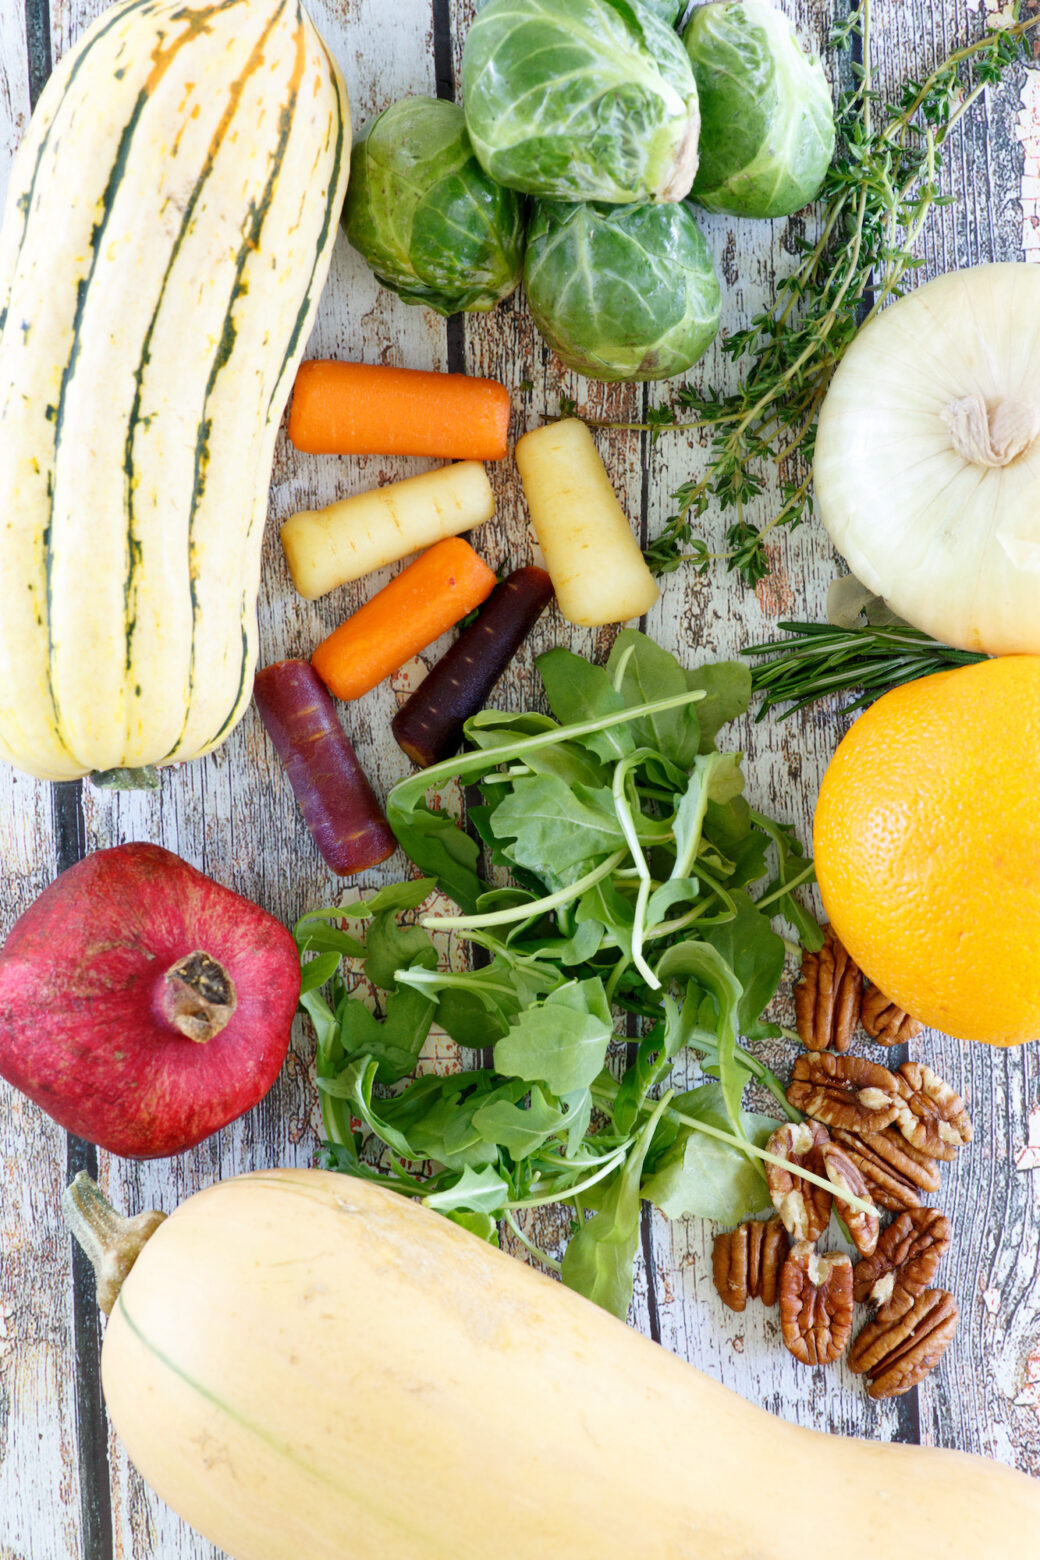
(417, 607)
(365, 409)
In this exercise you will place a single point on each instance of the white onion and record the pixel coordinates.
(927, 468)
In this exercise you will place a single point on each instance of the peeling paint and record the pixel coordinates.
(1028, 1156)
(408, 677)
(1030, 1396)
(1027, 130)
(991, 1299)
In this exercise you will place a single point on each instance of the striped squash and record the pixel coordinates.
(168, 230)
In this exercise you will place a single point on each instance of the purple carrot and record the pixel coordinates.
(338, 804)
(429, 726)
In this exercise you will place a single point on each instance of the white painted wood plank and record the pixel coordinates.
(233, 816)
(39, 1473)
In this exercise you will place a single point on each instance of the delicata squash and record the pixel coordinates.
(307, 1365)
(168, 230)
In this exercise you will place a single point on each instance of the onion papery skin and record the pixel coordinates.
(951, 544)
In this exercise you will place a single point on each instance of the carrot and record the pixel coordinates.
(366, 409)
(417, 607)
(337, 801)
(428, 727)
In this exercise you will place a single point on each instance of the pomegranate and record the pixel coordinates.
(142, 1005)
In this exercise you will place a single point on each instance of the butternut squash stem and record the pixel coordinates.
(112, 1241)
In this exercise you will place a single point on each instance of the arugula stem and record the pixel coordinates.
(472, 763)
(716, 887)
(619, 786)
(571, 1191)
(807, 875)
(744, 1145)
(536, 1251)
(615, 976)
(536, 908)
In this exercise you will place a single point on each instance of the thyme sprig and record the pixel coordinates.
(816, 661)
(874, 204)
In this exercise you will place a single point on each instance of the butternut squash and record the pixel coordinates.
(167, 234)
(307, 1365)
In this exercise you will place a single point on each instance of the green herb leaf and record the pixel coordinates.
(475, 1191)
(645, 671)
(562, 1041)
(519, 1131)
(483, 1225)
(700, 1177)
(600, 1259)
(703, 965)
(755, 954)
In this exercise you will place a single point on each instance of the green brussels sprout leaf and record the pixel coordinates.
(424, 214)
(622, 292)
(767, 134)
(581, 100)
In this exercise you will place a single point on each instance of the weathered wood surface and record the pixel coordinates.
(65, 1486)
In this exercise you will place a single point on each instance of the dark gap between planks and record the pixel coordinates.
(69, 847)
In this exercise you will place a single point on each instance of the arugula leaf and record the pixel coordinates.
(395, 897)
(649, 672)
(483, 1225)
(576, 689)
(562, 1041)
(395, 1040)
(701, 963)
(727, 685)
(689, 815)
(355, 1084)
(600, 1258)
(314, 935)
(755, 954)
(475, 1191)
(520, 1132)
(317, 971)
(435, 843)
(553, 832)
(391, 947)
(700, 1177)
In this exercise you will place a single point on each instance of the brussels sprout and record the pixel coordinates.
(621, 292)
(425, 215)
(581, 100)
(668, 10)
(767, 134)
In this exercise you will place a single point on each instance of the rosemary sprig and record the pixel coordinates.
(875, 201)
(818, 660)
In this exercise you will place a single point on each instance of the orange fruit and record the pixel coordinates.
(927, 847)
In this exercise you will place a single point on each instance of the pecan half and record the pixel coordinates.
(896, 1352)
(804, 1208)
(931, 1114)
(904, 1262)
(885, 1021)
(827, 998)
(845, 1091)
(816, 1304)
(863, 1227)
(746, 1263)
(895, 1172)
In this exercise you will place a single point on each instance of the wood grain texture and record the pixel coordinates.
(233, 816)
